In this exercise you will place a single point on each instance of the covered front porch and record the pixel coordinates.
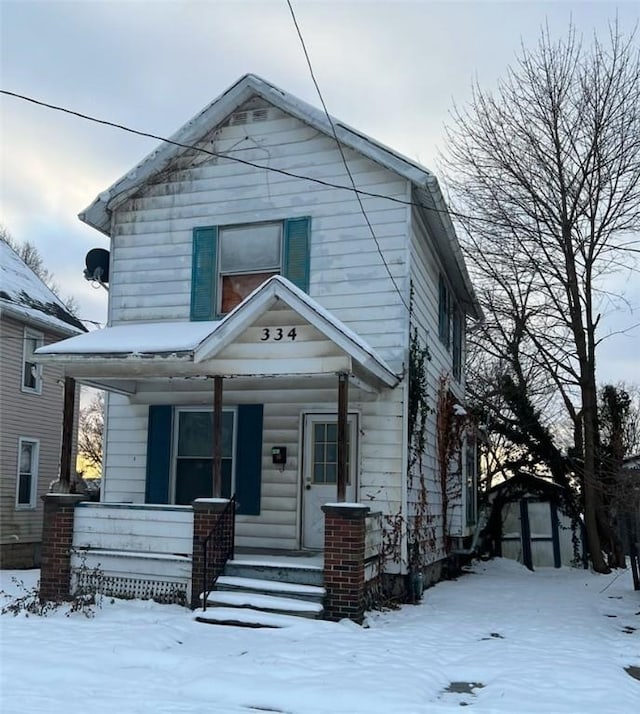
(267, 406)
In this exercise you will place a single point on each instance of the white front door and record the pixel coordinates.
(320, 472)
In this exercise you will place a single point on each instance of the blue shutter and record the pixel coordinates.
(296, 251)
(204, 278)
(158, 454)
(249, 458)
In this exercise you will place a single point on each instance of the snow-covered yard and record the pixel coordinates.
(550, 641)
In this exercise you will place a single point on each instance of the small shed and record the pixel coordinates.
(531, 521)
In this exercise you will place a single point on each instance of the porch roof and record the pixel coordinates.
(116, 357)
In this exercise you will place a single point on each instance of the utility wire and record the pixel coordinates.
(237, 159)
(344, 158)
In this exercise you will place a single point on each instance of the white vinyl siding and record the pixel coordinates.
(152, 232)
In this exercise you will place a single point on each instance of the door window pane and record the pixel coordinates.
(325, 453)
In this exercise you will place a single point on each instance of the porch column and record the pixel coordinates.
(343, 413)
(344, 547)
(57, 540)
(217, 436)
(67, 434)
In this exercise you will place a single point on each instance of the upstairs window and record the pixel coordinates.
(27, 478)
(248, 255)
(444, 313)
(31, 372)
(230, 262)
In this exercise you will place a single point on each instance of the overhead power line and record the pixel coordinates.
(344, 158)
(246, 162)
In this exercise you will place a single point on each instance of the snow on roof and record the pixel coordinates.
(203, 340)
(24, 296)
(135, 339)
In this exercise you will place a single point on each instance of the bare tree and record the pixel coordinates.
(91, 430)
(32, 258)
(547, 170)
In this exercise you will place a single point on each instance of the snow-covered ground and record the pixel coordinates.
(553, 641)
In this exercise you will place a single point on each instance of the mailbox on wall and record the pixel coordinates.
(279, 455)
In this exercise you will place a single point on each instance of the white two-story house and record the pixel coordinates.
(244, 267)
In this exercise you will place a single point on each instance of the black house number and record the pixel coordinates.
(276, 334)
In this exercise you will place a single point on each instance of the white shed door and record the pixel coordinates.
(319, 483)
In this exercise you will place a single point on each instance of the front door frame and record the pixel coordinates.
(307, 418)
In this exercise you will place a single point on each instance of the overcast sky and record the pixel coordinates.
(391, 69)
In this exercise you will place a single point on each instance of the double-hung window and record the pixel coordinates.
(456, 349)
(248, 255)
(194, 454)
(31, 372)
(27, 477)
(444, 313)
(230, 262)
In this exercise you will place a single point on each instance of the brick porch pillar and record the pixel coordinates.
(344, 540)
(207, 512)
(57, 539)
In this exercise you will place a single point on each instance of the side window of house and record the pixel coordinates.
(31, 372)
(230, 262)
(444, 313)
(456, 350)
(472, 484)
(27, 477)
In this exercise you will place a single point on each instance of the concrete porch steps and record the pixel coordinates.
(259, 592)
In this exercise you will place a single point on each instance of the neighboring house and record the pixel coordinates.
(31, 397)
(241, 252)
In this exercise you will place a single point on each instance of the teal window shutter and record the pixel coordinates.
(158, 454)
(204, 278)
(297, 232)
(249, 458)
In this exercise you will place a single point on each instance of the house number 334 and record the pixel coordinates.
(277, 333)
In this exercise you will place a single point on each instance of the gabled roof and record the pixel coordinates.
(426, 187)
(24, 297)
(150, 350)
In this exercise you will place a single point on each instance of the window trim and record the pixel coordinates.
(35, 464)
(177, 410)
(28, 334)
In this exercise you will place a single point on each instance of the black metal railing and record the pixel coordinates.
(223, 553)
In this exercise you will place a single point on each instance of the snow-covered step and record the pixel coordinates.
(312, 593)
(295, 570)
(265, 603)
(242, 617)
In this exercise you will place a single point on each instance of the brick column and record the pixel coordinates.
(207, 512)
(344, 539)
(57, 539)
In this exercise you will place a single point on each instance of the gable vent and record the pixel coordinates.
(249, 117)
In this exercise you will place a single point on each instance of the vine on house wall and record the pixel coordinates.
(422, 535)
(450, 426)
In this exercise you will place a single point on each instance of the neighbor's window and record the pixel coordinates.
(31, 372)
(27, 481)
(194, 454)
(444, 313)
(248, 255)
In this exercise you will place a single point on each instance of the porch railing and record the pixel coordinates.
(224, 550)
